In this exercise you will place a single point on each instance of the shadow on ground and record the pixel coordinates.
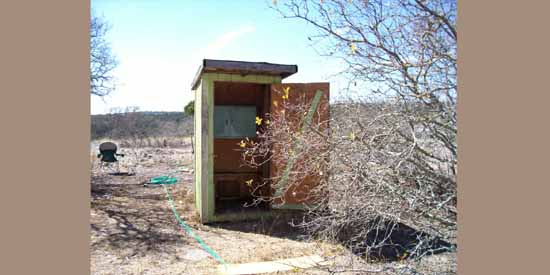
(102, 185)
(278, 226)
(139, 235)
(134, 222)
(394, 242)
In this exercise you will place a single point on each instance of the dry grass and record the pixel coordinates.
(133, 230)
(150, 142)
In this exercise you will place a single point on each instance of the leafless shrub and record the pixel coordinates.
(391, 155)
(134, 125)
(281, 133)
(133, 130)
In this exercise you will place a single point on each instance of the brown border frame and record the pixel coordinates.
(503, 137)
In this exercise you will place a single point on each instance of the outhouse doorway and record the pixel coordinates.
(229, 95)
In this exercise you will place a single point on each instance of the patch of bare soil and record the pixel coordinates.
(133, 230)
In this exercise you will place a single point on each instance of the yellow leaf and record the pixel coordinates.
(275, 103)
(267, 122)
(258, 121)
(242, 144)
(353, 48)
(286, 90)
(352, 136)
(249, 182)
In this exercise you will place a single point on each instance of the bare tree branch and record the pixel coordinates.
(102, 61)
(390, 154)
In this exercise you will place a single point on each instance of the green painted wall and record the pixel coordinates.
(197, 148)
(204, 139)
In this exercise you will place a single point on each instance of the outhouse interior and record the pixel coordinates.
(228, 97)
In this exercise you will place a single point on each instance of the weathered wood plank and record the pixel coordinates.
(272, 266)
(198, 147)
(243, 68)
(204, 149)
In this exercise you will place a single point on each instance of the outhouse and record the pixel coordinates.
(229, 95)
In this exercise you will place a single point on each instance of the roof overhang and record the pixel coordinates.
(242, 68)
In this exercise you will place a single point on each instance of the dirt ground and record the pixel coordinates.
(133, 230)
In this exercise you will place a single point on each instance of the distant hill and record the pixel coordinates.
(141, 124)
(144, 124)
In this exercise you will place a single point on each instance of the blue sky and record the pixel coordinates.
(161, 43)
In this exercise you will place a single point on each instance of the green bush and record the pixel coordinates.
(190, 108)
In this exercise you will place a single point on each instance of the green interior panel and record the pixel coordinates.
(234, 121)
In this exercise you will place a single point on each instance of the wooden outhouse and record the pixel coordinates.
(228, 97)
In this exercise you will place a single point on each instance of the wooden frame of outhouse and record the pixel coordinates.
(210, 72)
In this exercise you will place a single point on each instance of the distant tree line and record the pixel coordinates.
(130, 123)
